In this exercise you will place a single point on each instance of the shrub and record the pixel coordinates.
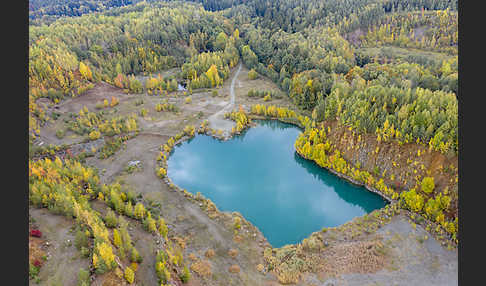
(135, 257)
(150, 224)
(434, 206)
(118, 273)
(214, 93)
(139, 211)
(129, 275)
(413, 201)
(161, 270)
(233, 252)
(202, 268)
(33, 271)
(134, 266)
(117, 241)
(237, 223)
(60, 133)
(130, 196)
(252, 74)
(114, 101)
(93, 135)
(116, 202)
(186, 275)
(111, 220)
(209, 253)
(311, 243)
(234, 269)
(36, 233)
(129, 209)
(85, 252)
(267, 97)
(188, 99)
(83, 277)
(428, 185)
(143, 112)
(163, 230)
(81, 239)
(161, 172)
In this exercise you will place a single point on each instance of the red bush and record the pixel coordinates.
(37, 263)
(36, 233)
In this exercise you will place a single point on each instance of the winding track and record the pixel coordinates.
(217, 121)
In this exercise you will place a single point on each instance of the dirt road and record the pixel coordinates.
(217, 121)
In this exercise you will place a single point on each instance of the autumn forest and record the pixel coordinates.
(114, 86)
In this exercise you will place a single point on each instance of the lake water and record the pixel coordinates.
(260, 175)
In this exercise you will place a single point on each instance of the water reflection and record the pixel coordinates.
(353, 195)
(275, 124)
(260, 175)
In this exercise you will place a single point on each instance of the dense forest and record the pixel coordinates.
(125, 41)
(47, 11)
(385, 68)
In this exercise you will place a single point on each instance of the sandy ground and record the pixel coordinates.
(413, 262)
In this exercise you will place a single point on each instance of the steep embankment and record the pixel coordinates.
(402, 167)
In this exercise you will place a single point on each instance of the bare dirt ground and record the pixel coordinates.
(413, 260)
(63, 259)
(408, 261)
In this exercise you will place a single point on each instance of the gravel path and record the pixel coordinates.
(217, 121)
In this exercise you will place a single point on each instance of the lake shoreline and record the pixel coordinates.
(219, 137)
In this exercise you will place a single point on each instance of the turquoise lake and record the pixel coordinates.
(260, 175)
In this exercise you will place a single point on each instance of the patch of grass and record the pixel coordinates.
(131, 169)
(83, 277)
(60, 133)
(186, 275)
(81, 239)
(33, 271)
(55, 115)
(111, 220)
(110, 147)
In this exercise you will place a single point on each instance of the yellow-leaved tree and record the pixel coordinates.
(213, 75)
(117, 238)
(85, 71)
(139, 211)
(129, 275)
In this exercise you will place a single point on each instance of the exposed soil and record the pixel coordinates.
(63, 259)
(350, 261)
(397, 163)
(412, 260)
